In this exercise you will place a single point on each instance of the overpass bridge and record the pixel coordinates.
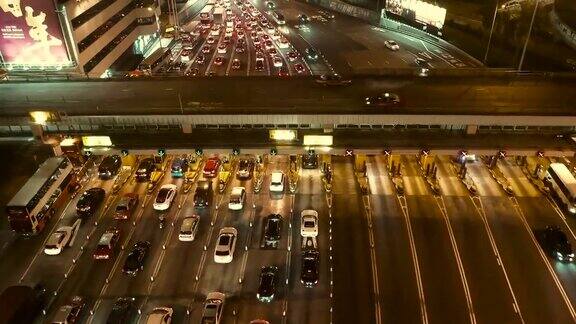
(447, 105)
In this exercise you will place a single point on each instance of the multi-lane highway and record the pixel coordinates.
(385, 256)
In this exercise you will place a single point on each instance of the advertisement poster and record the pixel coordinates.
(30, 33)
(419, 11)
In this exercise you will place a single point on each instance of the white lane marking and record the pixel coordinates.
(544, 257)
(442, 206)
(373, 259)
(405, 212)
(480, 209)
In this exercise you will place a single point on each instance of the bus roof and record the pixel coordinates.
(565, 175)
(36, 181)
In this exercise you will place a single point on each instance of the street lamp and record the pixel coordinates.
(491, 31)
(528, 36)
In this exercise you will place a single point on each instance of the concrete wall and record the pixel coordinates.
(89, 26)
(567, 34)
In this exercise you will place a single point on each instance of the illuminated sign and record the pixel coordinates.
(317, 140)
(419, 11)
(282, 134)
(96, 141)
(30, 33)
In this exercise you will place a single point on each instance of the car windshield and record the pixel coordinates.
(309, 223)
(121, 208)
(162, 195)
(224, 240)
(273, 227)
(309, 264)
(235, 199)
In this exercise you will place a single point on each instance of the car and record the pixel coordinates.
(266, 38)
(283, 43)
(136, 257)
(229, 32)
(225, 246)
(165, 197)
(213, 308)
(126, 206)
(283, 72)
(210, 40)
(69, 313)
(206, 49)
(277, 61)
(309, 272)
(421, 62)
(193, 72)
(259, 321)
(299, 68)
(237, 198)
(277, 182)
(256, 41)
(555, 243)
(270, 29)
(58, 240)
(326, 14)
(215, 31)
(219, 61)
(272, 230)
(240, 34)
(245, 169)
(160, 315)
(211, 167)
(222, 49)
(89, 202)
(333, 80)
(268, 282)
(189, 228)
(303, 19)
(226, 39)
(123, 311)
(386, 99)
(311, 54)
(236, 64)
(310, 160)
(391, 45)
(272, 52)
(309, 223)
(292, 56)
(145, 168)
(259, 65)
(179, 166)
(203, 194)
(240, 48)
(107, 244)
(270, 5)
(200, 59)
(109, 167)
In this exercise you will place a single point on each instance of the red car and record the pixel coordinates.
(283, 72)
(299, 68)
(107, 244)
(126, 206)
(211, 167)
(219, 60)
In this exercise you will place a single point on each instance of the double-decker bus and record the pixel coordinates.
(206, 16)
(563, 183)
(31, 208)
(155, 60)
(279, 18)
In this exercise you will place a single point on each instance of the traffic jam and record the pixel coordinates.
(232, 237)
(238, 39)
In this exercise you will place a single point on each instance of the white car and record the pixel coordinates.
(189, 228)
(275, 35)
(277, 61)
(237, 198)
(222, 49)
(277, 182)
(224, 250)
(309, 224)
(213, 308)
(283, 43)
(391, 45)
(165, 197)
(215, 31)
(229, 31)
(58, 240)
(160, 315)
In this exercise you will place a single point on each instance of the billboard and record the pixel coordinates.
(30, 33)
(419, 11)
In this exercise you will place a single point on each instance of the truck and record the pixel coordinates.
(219, 15)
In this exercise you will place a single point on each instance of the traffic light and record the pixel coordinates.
(161, 152)
(235, 151)
(198, 151)
(124, 152)
(273, 151)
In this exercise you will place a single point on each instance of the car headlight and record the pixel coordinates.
(559, 255)
(572, 210)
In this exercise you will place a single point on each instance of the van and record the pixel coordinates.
(189, 228)
(277, 182)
